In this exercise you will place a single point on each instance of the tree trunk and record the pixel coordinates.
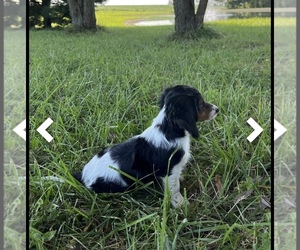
(89, 14)
(200, 13)
(83, 13)
(46, 14)
(185, 18)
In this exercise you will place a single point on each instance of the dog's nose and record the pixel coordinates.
(216, 109)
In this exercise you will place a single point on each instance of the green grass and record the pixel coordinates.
(285, 147)
(122, 16)
(14, 146)
(102, 88)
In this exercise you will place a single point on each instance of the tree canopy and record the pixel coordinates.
(43, 13)
(46, 13)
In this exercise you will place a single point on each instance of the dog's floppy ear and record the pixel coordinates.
(182, 110)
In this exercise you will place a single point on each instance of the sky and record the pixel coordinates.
(136, 2)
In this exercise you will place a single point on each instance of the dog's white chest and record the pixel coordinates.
(185, 145)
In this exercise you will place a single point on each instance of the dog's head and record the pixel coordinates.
(185, 106)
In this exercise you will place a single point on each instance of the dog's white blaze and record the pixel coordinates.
(100, 167)
(160, 117)
(154, 135)
(158, 139)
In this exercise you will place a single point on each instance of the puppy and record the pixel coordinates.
(161, 151)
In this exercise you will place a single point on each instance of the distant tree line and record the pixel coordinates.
(285, 3)
(45, 13)
(259, 3)
(232, 4)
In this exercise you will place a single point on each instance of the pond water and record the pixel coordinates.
(211, 15)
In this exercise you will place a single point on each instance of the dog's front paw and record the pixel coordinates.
(178, 200)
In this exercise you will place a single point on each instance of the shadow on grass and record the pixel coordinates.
(203, 33)
(77, 29)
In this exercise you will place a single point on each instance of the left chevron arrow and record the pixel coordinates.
(42, 129)
(20, 130)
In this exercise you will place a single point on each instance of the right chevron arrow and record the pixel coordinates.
(279, 130)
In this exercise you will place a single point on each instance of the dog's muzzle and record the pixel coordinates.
(213, 113)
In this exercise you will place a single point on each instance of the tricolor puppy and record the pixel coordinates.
(146, 156)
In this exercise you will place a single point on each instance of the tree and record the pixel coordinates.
(186, 20)
(83, 13)
(44, 13)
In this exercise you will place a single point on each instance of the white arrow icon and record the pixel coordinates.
(257, 129)
(279, 130)
(42, 129)
(20, 130)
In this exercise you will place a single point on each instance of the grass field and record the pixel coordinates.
(285, 147)
(101, 88)
(122, 16)
(14, 189)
